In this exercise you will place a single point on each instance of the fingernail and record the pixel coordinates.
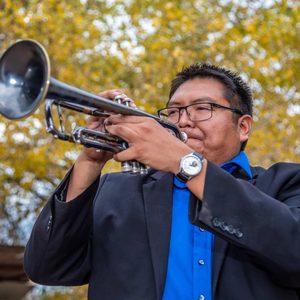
(117, 92)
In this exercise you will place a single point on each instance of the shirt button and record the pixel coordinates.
(201, 297)
(201, 262)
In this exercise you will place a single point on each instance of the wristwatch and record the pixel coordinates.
(190, 166)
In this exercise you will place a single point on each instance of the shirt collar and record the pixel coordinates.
(240, 160)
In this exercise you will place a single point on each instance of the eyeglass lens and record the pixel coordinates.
(196, 112)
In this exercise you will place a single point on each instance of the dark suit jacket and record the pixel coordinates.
(115, 236)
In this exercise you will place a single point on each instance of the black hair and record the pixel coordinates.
(237, 92)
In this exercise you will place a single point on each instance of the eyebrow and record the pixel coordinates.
(198, 100)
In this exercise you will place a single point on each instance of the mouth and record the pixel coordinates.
(192, 135)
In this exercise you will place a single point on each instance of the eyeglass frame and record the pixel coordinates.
(212, 105)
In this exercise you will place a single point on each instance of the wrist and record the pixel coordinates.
(197, 183)
(92, 164)
(84, 173)
(190, 166)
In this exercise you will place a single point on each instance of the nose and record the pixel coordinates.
(184, 119)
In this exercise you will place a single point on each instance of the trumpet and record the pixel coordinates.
(25, 83)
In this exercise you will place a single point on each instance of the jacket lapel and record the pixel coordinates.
(157, 193)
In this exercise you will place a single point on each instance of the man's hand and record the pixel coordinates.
(96, 123)
(91, 161)
(154, 146)
(149, 143)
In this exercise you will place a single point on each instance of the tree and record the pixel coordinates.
(139, 46)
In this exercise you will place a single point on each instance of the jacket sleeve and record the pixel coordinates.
(57, 252)
(262, 219)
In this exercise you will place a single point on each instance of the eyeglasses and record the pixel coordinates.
(197, 111)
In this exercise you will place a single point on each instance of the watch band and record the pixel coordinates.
(198, 155)
(183, 177)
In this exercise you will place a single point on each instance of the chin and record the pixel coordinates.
(196, 145)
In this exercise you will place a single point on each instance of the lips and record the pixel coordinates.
(193, 135)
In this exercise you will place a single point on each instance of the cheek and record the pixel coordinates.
(216, 136)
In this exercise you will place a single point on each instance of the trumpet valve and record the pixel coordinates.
(126, 167)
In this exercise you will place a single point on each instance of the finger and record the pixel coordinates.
(111, 94)
(124, 132)
(124, 99)
(131, 102)
(118, 118)
(125, 155)
(92, 119)
(95, 122)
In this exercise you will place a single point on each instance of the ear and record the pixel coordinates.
(244, 127)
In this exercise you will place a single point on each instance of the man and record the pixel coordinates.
(202, 224)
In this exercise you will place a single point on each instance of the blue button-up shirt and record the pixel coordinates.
(189, 274)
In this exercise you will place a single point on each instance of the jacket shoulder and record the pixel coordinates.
(278, 177)
(280, 167)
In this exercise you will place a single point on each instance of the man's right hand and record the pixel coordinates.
(91, 161)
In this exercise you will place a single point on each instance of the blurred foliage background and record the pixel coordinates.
(139, 46)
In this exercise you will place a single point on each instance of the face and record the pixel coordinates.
(219, 138)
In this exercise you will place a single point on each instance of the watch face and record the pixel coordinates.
(191, 165)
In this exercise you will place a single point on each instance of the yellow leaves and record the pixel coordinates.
(156, 22)
(169, 6)
(170, 12)
(142, 55)
(251, 28)
(177, 52)
(86, 48)
(173, 34)
(291, 75)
